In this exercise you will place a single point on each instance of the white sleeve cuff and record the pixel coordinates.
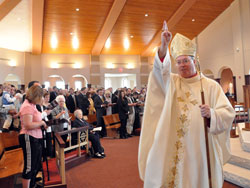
(212, 128)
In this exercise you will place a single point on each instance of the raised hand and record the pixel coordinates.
(166, 37)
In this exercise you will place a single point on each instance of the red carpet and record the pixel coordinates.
(118, 170)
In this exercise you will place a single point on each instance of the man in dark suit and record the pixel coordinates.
(53, 94)
(114, 99)
(71, 101)
(83, 102)
(100, 107)
(137, 122)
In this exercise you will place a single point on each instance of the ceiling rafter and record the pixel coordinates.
(37, 25)
(181, 11)
(108, 26)
(7, 6)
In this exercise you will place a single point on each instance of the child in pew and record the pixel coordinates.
(12, 104)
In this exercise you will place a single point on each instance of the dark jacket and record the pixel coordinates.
(53, 96)
(114, 99)
(100, 111)
(70, 103)
(83, 103)
(81, 123)
(123, 108)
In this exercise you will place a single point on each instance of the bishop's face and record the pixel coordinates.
(186, 66)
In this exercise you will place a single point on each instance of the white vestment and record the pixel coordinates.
(172, 149)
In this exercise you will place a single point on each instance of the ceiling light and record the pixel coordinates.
(53, 41)
(75, 42)
(77, 9)
(108, 43)
(54, 65)
(77, 65)
(71, 33)
(130, 66)
(193, 20)
(19, 19)
(12, 63)
(131, 36)
(146, 15)
(126, 43)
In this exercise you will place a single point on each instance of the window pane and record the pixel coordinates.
(78, 85)
(47, 85)
(60, 85)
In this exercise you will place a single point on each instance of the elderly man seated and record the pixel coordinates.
(93, 137)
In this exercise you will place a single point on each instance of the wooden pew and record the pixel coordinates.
(92, 119)
(112, 123)
(11, 140)
(11, 162)
(62, 162)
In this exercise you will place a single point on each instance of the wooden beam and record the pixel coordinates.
(108, 26)
(181, 11)
(7, 6)
(37, 25)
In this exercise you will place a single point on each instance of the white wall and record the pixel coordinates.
(120, 62)
(66, 71)
(5, 69)
(223, 43)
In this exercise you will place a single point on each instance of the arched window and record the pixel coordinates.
(60, 85)
(78, 85)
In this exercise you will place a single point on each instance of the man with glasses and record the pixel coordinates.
(172, 150)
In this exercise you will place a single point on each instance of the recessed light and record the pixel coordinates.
(146, 15)
(193, 20)
(108, 43)
(53, 41)
(126, 43)
(71, 33)
(131, 36)
(19, 19)
(75, 42)
(77, 9)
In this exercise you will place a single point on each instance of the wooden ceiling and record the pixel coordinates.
(98, 20)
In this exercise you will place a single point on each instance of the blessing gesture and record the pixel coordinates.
(166, 37)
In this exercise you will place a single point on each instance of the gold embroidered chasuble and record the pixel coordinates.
(172, 151)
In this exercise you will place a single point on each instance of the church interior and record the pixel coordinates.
(112, 44)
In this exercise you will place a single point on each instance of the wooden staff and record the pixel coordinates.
(206, 125)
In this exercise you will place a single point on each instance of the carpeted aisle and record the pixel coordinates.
(118, 170)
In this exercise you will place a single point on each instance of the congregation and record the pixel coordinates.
(63, 109)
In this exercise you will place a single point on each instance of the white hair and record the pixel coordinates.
(60, 97)
(76, 112)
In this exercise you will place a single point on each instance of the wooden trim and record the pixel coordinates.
(7, 6)
(59, 140)
(37, 25)
(108, 26)
(182, 10)
(73, 130)
(56, 186)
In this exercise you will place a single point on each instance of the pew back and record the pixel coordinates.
(112, 123)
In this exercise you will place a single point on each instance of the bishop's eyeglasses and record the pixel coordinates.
(184, 61)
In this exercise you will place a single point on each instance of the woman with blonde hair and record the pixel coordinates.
(107, 96)
(91, 103)
(31, 123)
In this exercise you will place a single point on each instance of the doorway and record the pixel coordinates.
(119, 81)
